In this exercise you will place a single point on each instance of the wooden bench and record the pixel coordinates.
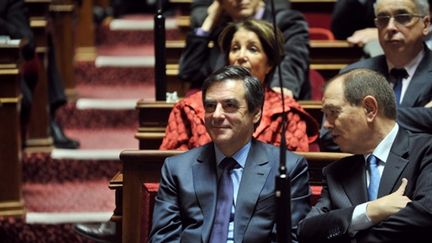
(11, 201)
(38, 131)
(326, 56)
(62, 34)
(153, 118)
(317, 12)
(143, 166)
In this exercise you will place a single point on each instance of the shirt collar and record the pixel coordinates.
(259, 14)
(382, 151)
(240, 156)
(411, 66)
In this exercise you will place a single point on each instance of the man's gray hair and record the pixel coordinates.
(422, 7)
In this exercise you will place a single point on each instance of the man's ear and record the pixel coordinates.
(370, 106)
(426, 21)
(257, 116)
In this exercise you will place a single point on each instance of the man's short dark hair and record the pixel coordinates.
(254, 91)
(358, 83)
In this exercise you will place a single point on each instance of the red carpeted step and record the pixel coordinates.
(88, 73)
(74, 196)
(106, 138)
(16, 230)
(116, 91)
(71, 117)
(42, 168)
(134, 30)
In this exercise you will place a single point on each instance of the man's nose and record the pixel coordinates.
(327, 123)
(218, 112)
(391, 24)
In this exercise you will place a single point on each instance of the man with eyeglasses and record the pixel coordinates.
(406, 63)
(353, 20)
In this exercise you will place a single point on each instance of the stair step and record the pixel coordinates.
(113, 92)
(135, 30)
(105, 138)
(87, 72)
(42, 168)
(69, 197)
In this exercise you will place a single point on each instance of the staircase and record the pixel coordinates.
(63, 187)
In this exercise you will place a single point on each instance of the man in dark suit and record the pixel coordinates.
(388, 198)
(404, 48)
(353, 20)
(207, 22)
(187, 204)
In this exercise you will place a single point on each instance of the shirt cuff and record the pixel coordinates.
(359, 220)
(201, 32)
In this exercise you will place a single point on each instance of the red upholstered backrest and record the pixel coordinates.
(149, 191)
(317, 19)
(317, 82)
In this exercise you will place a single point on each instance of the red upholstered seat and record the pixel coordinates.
(318, 33)
(149, 193)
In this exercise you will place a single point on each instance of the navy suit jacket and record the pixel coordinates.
(186, 201)
(345, 187)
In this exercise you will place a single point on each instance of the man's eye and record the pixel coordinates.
(230, 107)
(210, 107)
(403, 18)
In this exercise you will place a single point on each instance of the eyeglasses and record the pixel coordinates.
(400, 19)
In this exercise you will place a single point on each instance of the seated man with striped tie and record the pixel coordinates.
(224, 191)
(402, 28)
(383, 193)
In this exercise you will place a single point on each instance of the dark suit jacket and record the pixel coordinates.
(198, 61)
(412, 114)
(351, 15)
(345, 187)
(186, 201)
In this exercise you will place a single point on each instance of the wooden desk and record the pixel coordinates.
(38, 134)
(11, 202)
(143, 166)
(322, 52)
(62, 31)
(153, 118)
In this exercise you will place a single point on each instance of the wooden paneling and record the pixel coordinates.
(11, 202)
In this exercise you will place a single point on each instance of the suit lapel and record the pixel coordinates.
(395, 164)
(355, 180)
(254, 176)
(420, 80)
(205, 184)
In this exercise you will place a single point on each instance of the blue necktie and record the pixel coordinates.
(396, 76)
(225, 199)
(374, 178)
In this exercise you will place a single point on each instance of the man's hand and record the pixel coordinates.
(386, 206)
(214, 12)
(286, 92)
(363, 36)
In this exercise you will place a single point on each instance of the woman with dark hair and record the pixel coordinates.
(253, 45)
